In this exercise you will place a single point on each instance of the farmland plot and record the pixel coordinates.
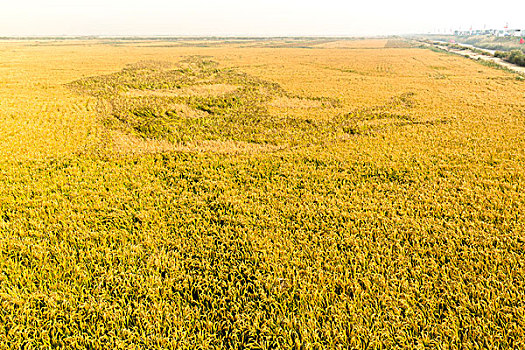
(263, 196)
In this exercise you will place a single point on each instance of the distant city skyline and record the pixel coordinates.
(255, 18)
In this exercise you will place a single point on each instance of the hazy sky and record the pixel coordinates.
(252, 17)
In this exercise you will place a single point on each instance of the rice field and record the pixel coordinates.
(245, 194)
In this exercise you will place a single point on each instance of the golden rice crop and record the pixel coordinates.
(259, 195)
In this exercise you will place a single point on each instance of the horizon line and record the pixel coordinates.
(189, 36)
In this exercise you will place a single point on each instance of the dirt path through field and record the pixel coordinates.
(476, 55)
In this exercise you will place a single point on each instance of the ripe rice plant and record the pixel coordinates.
(259, 195)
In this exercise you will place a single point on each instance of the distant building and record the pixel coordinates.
(516, 32)
(462, 32)
(495, 32)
